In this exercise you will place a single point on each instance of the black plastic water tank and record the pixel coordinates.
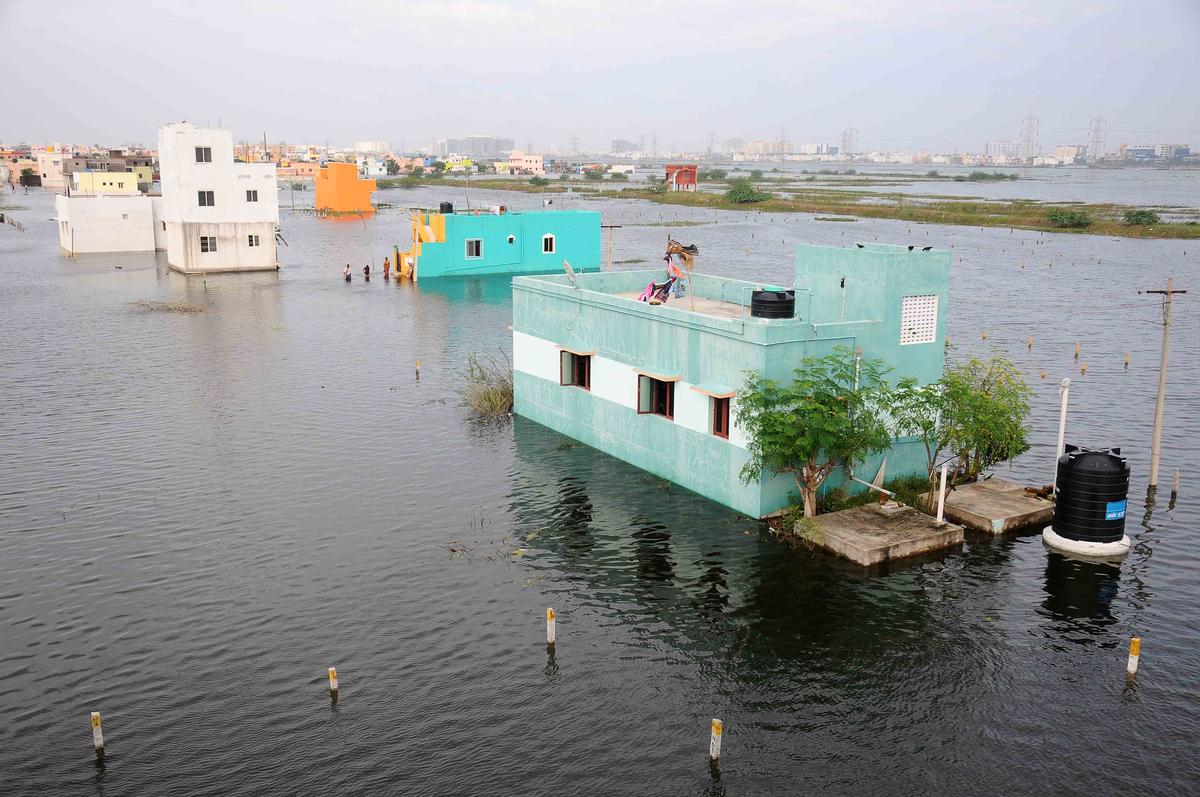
(446, 207)
(1090, 495)
(773, 304)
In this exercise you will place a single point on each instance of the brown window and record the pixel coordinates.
(656, 397)
(575, 369)
(720, 417)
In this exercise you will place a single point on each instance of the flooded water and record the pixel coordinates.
(200, 513)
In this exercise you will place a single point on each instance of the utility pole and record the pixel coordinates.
(1156, 441)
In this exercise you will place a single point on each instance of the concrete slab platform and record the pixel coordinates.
(873, 534)
(997, 506)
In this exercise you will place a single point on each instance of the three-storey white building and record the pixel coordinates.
(217, 215)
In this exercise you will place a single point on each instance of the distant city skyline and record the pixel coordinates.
(936, 76)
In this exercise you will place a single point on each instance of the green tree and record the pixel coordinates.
(976, 412)
(540, 182)
(741, 191)
(831, 413)
(1063, 217)
(656, 185)
(619, 176)
(1141, 217)
(439, 169)
(756, 174)
(712, 174)
(593, 174)
(27, 172)
(391, 166)
(416, 171)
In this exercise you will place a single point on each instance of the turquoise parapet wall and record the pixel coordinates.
(710, 355)
(513, 243)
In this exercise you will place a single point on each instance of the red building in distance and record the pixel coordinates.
(681, 176)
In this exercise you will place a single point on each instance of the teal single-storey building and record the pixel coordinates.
(500, 241)
(656, 385)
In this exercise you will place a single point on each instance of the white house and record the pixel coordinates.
(218, 215)
(105, 223)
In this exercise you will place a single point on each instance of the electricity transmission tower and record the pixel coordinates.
(849, 141)
(1097, 129)
(1029, 137)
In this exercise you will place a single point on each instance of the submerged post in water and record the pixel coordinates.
(333, 682)
(1135, 650)
(97, 733)
(714, 740)
(550, 629)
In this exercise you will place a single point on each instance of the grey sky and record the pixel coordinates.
(933, 74)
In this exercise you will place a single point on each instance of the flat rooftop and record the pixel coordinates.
(695, 304)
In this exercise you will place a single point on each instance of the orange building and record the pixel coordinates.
(340, 191)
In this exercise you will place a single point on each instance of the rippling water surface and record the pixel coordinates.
(200, 513)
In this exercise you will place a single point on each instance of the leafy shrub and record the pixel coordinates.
(1141, 217)
(712, 174)
(742, 191)
(618, 176)
(1069, 219)
(539, 181)
(756, 174)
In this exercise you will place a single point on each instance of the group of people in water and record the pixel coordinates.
(387, 271)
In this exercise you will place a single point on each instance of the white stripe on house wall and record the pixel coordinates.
(617, 382)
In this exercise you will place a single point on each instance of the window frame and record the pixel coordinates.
(656, 388)
(467, 248)
(553, 244)
(575, 370)
(251, 194)
(924, 336)
(720, 416)
(206, 194)
(253, 240)
(208, 244)
(203, 154)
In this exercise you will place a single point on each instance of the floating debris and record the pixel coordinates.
(166, 307)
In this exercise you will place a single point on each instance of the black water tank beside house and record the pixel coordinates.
(446, 207)
(773, 304)
(1090, 495)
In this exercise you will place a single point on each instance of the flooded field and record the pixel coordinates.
(202, 511)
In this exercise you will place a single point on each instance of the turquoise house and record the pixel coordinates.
(656, 385)
(500, 241)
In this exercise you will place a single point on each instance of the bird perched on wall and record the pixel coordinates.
(926, 248)
(860, 246)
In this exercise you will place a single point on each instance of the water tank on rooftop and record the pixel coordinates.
(446, 207)
(1090, 499)
(773, 304)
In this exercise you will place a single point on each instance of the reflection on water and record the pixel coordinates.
(252, 494)
(1081, 590)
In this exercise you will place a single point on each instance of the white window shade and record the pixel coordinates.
(918, 319)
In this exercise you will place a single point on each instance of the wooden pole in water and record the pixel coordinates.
(714, 740)
(551, 631)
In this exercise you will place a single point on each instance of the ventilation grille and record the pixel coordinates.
(918, 319)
